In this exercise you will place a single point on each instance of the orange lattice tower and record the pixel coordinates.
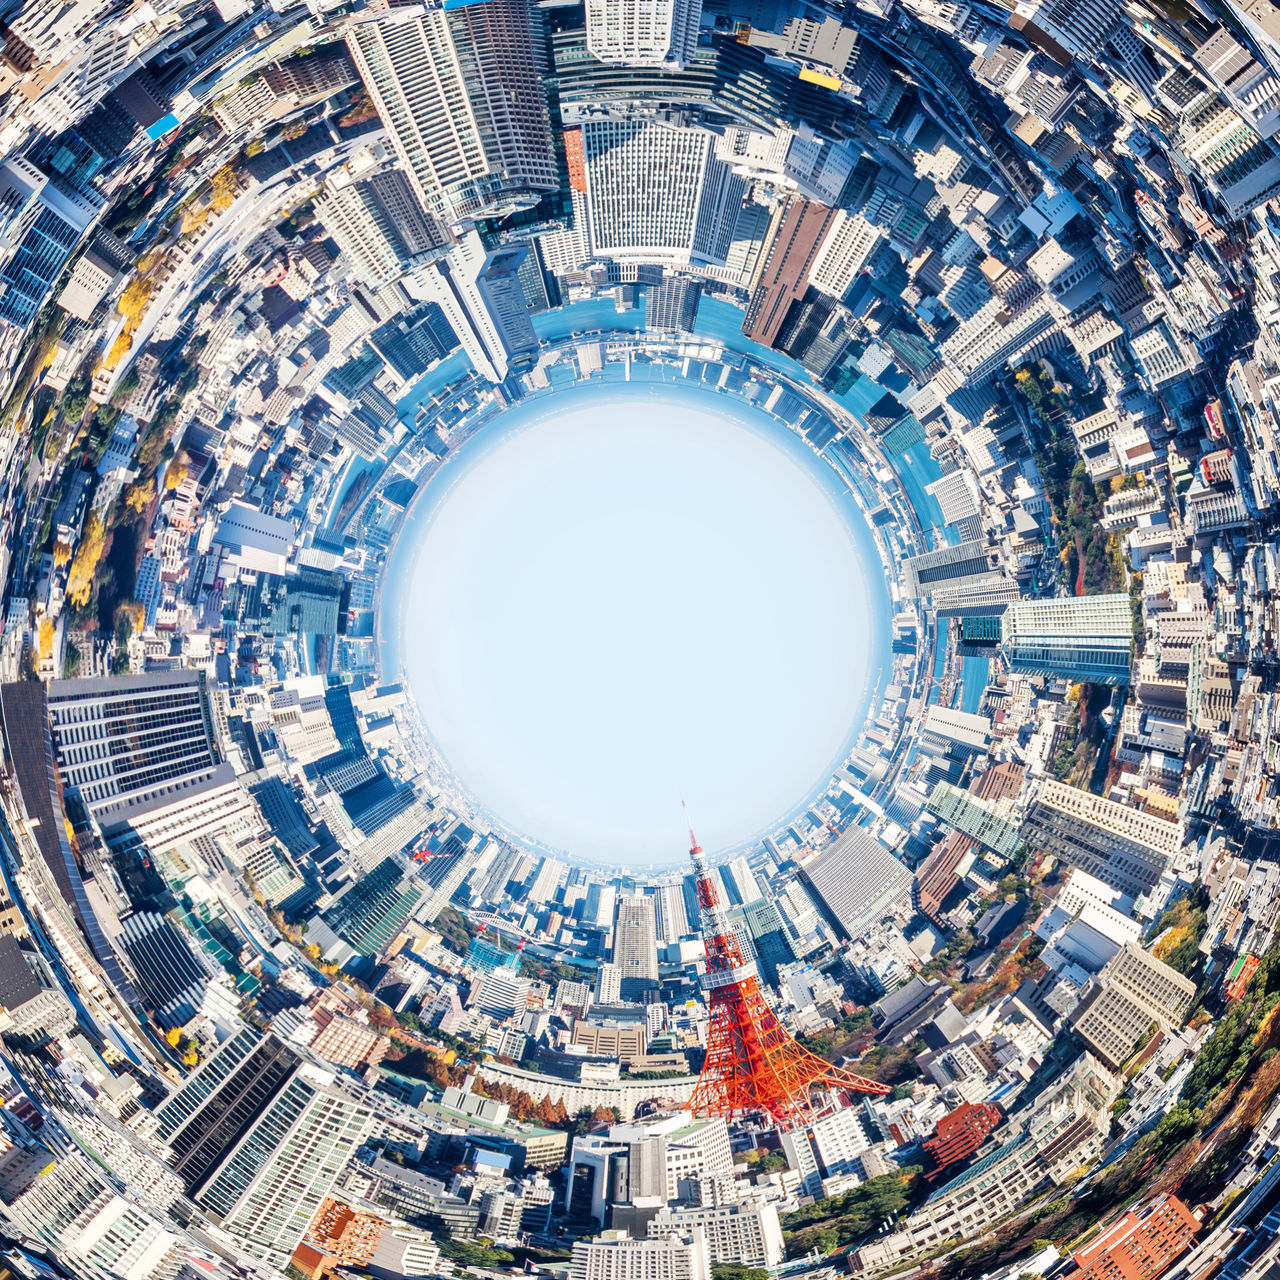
(753, 1064)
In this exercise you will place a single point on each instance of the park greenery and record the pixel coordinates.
(835, 1221)
(1178, 932)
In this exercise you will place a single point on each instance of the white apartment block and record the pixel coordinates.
(846, 248)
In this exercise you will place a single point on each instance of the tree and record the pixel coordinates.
(137, 497)
(128, 619)
(134, 300)
(119, 349)
(175, 474)
(84, 566)
(837, 1220)
(732, 1271)
(46, 637)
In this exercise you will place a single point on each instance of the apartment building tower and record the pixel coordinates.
(460, 93)
(259, 1134)
(635, 947)
(379, 225)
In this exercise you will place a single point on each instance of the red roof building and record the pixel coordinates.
(960, 1133)
(1140, 1245)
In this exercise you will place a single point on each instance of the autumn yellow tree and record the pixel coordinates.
(46, 638)
(119, 349)
(175, 475)
(61, 554)
(133, 301)
(93, 542)
(138, 496)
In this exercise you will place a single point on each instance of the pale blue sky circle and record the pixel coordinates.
(622, 595)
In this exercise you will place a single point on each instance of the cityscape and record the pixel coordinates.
(281, 996)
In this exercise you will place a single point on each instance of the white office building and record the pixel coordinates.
(657, 193)
(643, 33)
(747, 1235)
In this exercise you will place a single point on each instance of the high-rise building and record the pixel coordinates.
(379, 224)
(178, 984)
(952, 738)
(992, 337)
(41, 223)
(672, 306)
(669, 909)
(135, 736)
(141, 753)
(259, 1135)
(1079, 26)
(991, 824)
(503, 993)
(95, 1231)
(546, 880)
(635, 947)
(795, 237)
(741, 882)
(96, 270)
(569, 250)
(598, 906)
(1126, 848)
(371, 911)
(460, 93)
(829, 1147)
(962, 565)
(480, 296)
(645, 1160)
(736, 1234)
(643, 33)
(1131, 995)
(1076, 637)
(850, 244)
(608, 984)
(657, 194)
(320, 74)
(414, 340)
(986, 598)
(857, 881)
(771, 938)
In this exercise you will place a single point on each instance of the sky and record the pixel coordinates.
(628, 595)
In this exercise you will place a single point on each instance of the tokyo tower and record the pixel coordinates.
(753, 1064)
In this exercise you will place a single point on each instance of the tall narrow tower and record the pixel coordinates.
(753, 1064)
